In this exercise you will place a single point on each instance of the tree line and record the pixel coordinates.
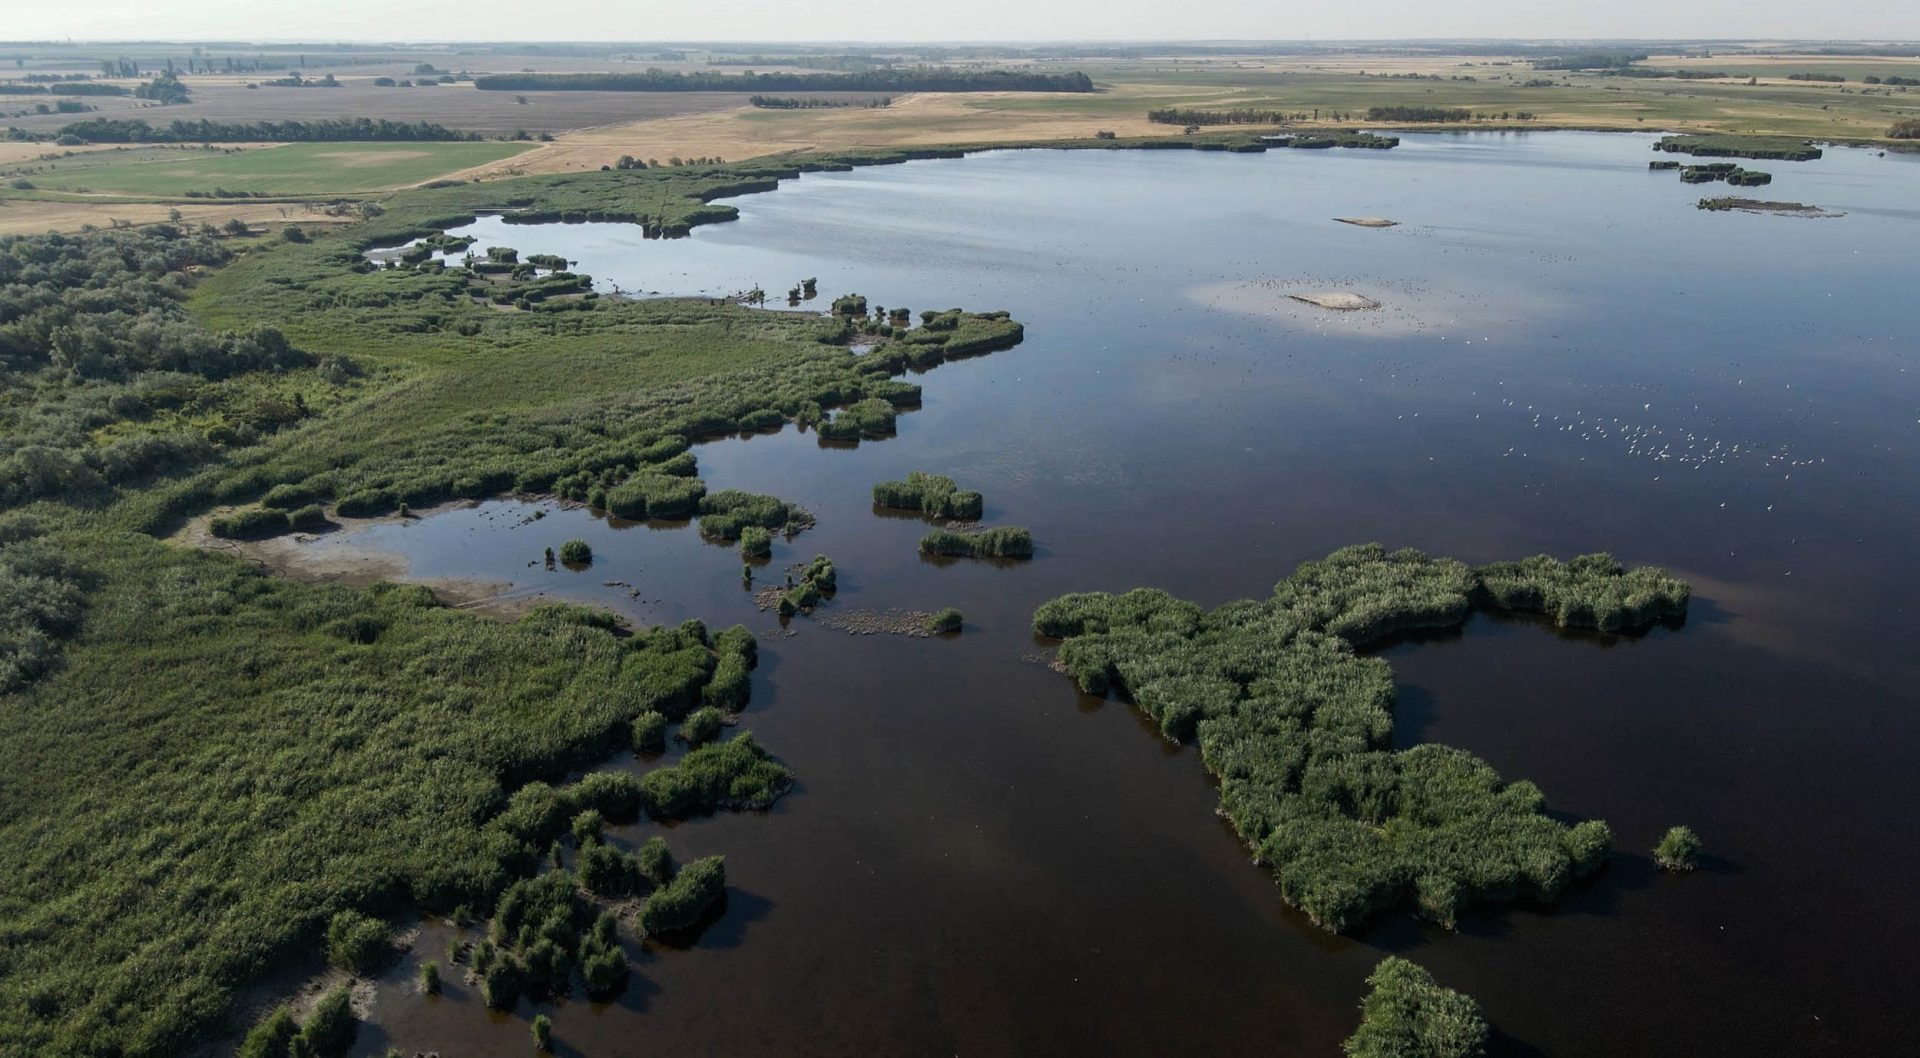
(132, 130)
(915, 79)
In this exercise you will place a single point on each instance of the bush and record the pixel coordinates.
(576, 553)
(587, 826)
(1009, 541)
(755, 542)
(308, 518)
(650, 732)
(735, 774)
(542, 1033)
(250, 524)
(947, 620)
(1905, 129)
(1679, 850)
(430, 977)
(687, 898)
(1408, 1015)
(272, 1037)
(613, 795)
(655, 862)
(357, 943)
(331, 1027)
(702, 726)
(605, 870)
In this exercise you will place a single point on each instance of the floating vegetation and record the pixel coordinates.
(1722, 146)
(915, 624)
(1296, 725)
(1679, 850)
(1007, 541)
(934, 495)
(1409, 1015)
(576, 553)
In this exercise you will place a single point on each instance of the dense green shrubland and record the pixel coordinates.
(1407, 1014)
(360, 773)
(1006, 541)
(41, 602)
(1296, 725)
(930, 494)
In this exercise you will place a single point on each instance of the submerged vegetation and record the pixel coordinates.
(1296, 724)
(934, 495)
(1409, 1015)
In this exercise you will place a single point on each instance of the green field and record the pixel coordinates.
(293, 169)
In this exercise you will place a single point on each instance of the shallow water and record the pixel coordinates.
(1571, 357)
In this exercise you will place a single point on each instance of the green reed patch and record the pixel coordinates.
(1296, 725)
(931, 494)
(1006, 541)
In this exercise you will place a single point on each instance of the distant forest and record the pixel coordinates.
(915, 79)
(122, 130)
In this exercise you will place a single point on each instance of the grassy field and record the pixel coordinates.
(291, 169)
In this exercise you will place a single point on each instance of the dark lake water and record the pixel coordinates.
(1571, 357)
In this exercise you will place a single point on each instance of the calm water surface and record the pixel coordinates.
(1571, 357)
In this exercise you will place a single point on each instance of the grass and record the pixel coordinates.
(287, 170)
(1296, 725)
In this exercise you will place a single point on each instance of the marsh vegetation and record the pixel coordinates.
(1295, 723)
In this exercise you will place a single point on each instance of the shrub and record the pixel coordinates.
(1905, 129)
(1679, 850)
(606, 870)
(308, 518)
(500, 982)
(1009, 541)
(947, 620)
(542, 1033)
(655, 861)
(249, 524)
(576, 553)
(687, 898)
(1408, 1015)
(755, 542)
(271, 1037)
(331, 1027)
(430, 977)
(613, 795)
(357, 943)
(930, 494)
(650, 732)
(702, 726)
(734, 774)
(587, 826)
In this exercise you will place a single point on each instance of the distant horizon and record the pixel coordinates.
(924, 22)
(1009, 42)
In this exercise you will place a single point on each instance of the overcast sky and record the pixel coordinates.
(947, 20)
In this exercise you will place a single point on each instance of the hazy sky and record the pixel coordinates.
(910, 20)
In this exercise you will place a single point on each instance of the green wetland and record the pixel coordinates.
(967, 851)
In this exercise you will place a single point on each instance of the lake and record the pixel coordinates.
(1570, 357)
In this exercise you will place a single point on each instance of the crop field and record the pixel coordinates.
(292, 169)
